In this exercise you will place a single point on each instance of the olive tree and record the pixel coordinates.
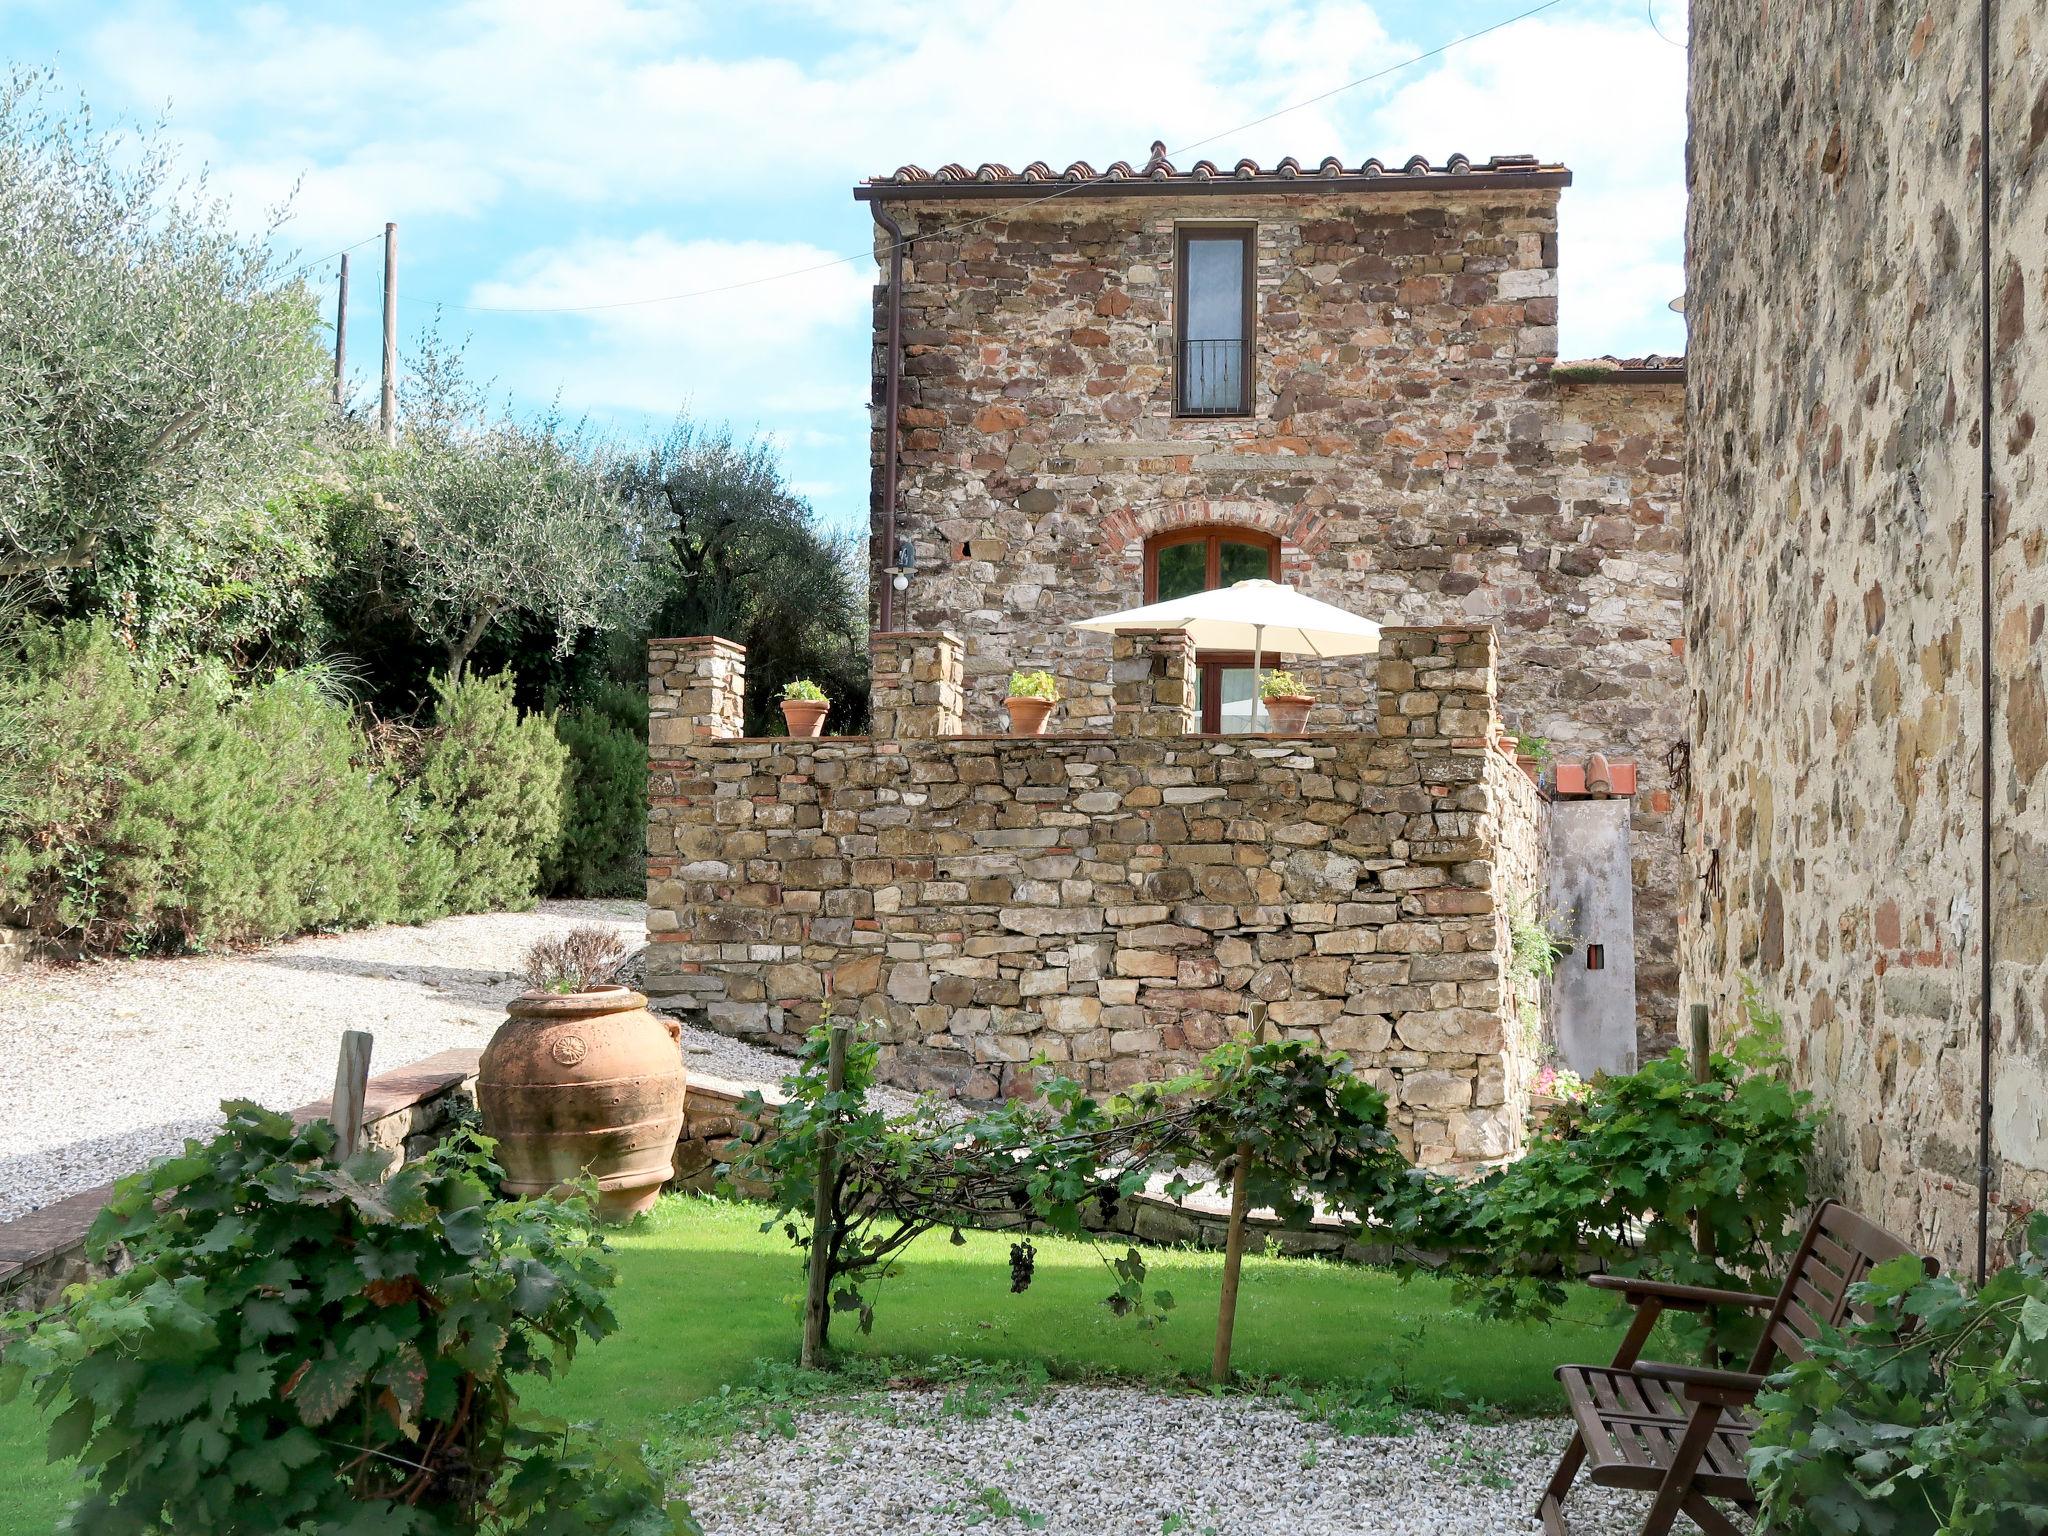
(482, 517)
(738, 553)
(150, 352)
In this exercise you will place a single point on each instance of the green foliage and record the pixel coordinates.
(307, 1348)
(152, 354)
(1313, 1131)
(602, 851)
(483, 518)
(1533, 953)
(1034, 685)
(1528, 744)
(143, 810)
(802, 690)
(1931, 1417)
(741, 555)
(1280, 685)
(489, 796)
(1622, 1175)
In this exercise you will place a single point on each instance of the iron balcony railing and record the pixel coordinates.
(1213, 378)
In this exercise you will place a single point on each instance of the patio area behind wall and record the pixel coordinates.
(1110, 903)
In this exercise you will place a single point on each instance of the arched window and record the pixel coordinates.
(1190, 560)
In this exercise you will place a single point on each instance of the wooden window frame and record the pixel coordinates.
(1248, 236)
(1210, 665)
(1217, 534)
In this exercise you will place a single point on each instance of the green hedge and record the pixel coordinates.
(144, 810)
(604, 830)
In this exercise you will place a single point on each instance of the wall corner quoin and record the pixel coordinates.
(696, 691)
(917, 688)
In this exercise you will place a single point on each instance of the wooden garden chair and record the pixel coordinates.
(1681, 1431)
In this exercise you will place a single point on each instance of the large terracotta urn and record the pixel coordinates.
(580, 1082)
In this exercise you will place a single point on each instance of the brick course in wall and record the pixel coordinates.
(1113, 902)
(1407, 446)
(1833, 474)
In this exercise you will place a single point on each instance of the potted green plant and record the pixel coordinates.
(804, 707)
(1531, 753)
(1033, 696)
(1287, 706)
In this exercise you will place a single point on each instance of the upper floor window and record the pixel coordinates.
(1213, 321)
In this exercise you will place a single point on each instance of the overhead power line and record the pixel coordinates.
(1011, 212)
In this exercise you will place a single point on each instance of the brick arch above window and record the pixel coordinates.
(1302, 531)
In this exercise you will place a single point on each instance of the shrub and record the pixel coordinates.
(1621, 1175)
(490, 790)
(1034, 685)
(299, 1347)
(576, 961)
(142, 810)
(604, 825)
(803, 691)
(1943, 1429)
(1280, 685)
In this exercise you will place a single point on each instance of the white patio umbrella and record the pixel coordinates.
(1258, 616)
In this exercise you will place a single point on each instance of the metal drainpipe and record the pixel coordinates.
(891, 404)
(1986, 696)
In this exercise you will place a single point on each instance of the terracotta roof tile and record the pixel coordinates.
(1652, 367)
(1247, 175)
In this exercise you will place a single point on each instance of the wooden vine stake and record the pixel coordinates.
(824, 1221)
(1233, 1242)
(351, 1084)
(1699, 1048)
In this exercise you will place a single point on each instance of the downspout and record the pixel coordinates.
(892, 369)
(1986, 697)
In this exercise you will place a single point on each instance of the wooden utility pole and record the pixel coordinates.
(387, 409)
(341, 332)
(824, 1225)
(1233, 1242)
(351, 1083)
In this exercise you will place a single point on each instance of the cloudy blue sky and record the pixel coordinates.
(542, 156)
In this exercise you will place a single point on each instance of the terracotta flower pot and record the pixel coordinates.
(805, 717)
(1532, 766)
(1287, 715)
(1028, 716)
(584, 1082)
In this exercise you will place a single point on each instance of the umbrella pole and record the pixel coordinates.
(1258, 654)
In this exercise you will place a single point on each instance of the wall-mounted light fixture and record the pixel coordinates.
(906, 562)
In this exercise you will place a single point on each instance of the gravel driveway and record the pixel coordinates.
(106, 1065)
(1081, 1461)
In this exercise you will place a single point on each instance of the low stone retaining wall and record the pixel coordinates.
(406, 1111)
(1109, 905)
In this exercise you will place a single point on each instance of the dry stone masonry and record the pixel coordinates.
(1111, 903)
(1408, 445)
(1833, 832)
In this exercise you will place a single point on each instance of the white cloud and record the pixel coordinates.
(757, 342)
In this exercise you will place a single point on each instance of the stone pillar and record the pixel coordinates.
(1154, 684)
(696, 691)
(918, 687)
(1439, 685)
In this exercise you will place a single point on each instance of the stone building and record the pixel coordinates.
(1837, 816)
(1122, 386)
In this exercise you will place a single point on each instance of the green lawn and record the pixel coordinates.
(704, 1294)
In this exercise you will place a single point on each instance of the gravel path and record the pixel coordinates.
(106, 1065)
(1121, 1462)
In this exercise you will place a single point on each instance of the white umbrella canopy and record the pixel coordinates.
(1255, 616)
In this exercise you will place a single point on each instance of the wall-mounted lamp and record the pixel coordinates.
(906, 562)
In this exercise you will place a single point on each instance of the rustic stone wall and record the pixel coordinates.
(1112, 903)
(1408, 447)
(1834, 663)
